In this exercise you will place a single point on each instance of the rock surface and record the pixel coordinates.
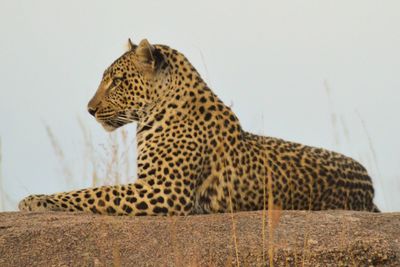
(298, 238)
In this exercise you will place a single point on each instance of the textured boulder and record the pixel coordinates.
(291, 238)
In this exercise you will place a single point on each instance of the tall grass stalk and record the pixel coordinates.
(2, 193)
(113, 166)
(369, 139)
(264, 215)
(270, 223)
(269, 207)
(116, 255)
(89, 154)
(178, 257)
(305, 249)
(334, 117)
(125, 155)
(232, 215)
(373, 152)
(60, 155)
(274, 215)
(4, 196)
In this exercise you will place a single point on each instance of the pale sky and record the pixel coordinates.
(272, 60)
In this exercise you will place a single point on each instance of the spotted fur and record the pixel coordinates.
(193, 155)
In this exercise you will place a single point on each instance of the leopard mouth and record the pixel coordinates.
(113, 122)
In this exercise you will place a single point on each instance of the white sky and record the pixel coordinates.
(270, 59)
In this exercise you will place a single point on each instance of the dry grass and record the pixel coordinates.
(117, 161)
(234, 235)
(4, 195)
(177, 252)
(340, 128)
(372, 152)
(333, 115)
(274, 215)
(59, 153)
(2, 191)
(89, 154)
(107, 163)
(116, 255)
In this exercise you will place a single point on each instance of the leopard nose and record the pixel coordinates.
(92, 111)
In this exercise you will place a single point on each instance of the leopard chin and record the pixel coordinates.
(108, 127)
(111, 125)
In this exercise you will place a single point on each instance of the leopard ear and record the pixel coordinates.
(145, 51)
(131, 45)
(149, 56)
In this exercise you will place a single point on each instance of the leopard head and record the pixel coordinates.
(130, 85)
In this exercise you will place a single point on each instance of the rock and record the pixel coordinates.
(298, 238)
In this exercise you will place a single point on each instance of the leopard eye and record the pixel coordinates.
(116, 81)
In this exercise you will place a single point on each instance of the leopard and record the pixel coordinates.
(194, 157)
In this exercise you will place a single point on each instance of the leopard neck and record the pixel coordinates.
(188, 97)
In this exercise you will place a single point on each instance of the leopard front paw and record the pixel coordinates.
(37, 203)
